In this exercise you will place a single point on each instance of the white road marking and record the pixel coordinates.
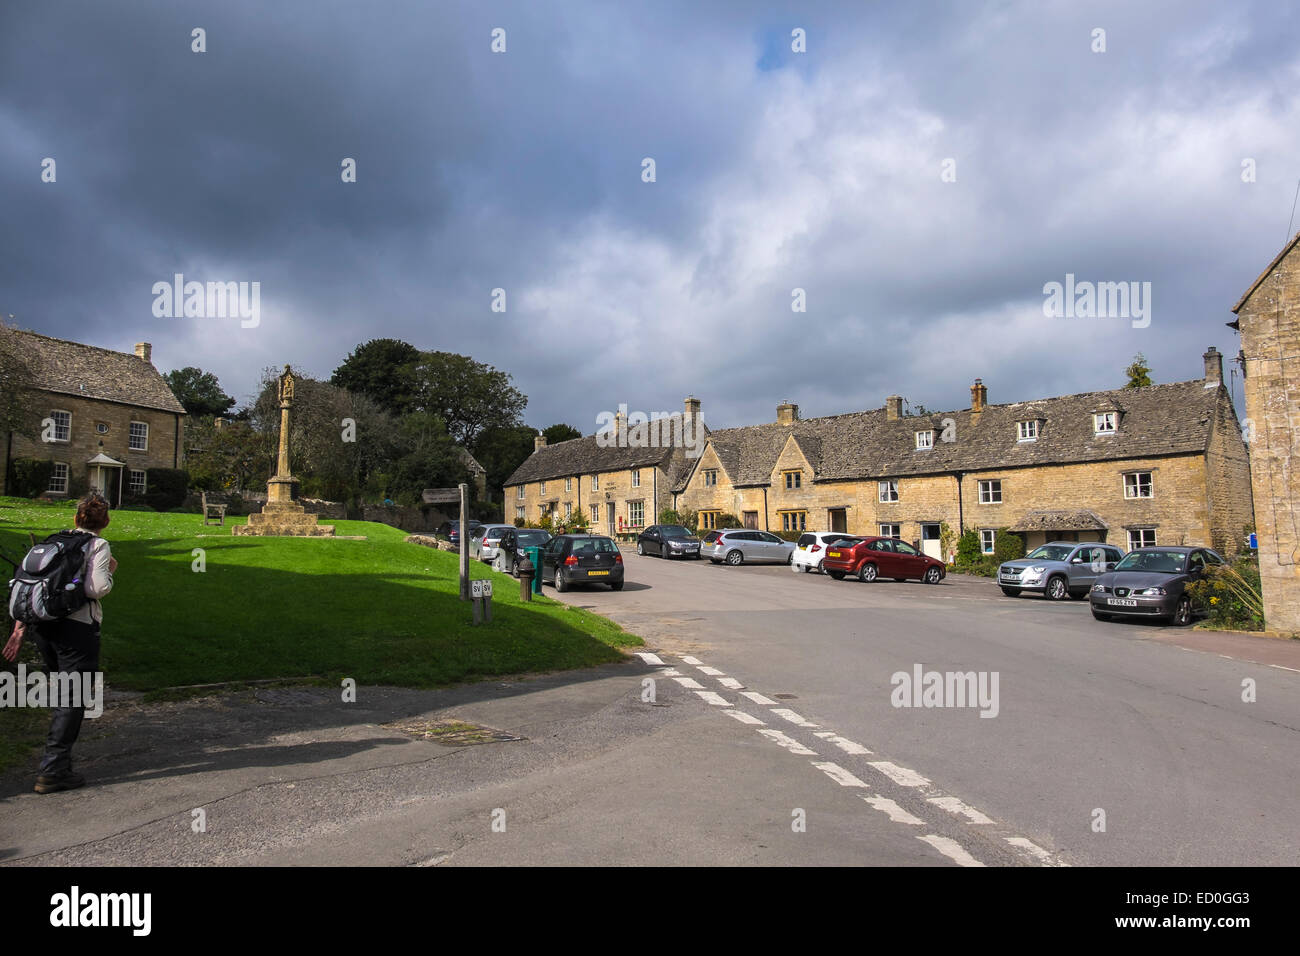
(848, 746)
(1281, 668)
(649, 658)
(789, 743)
(743, 717)
(794, 718)
(691, 660)
(900, 775)
(730, 683)
(1036, 851)
(689, 682)
(956, 807)
(951, 849)
(712, 671)
(839, 774)
(758, 698)
(669, 672)
(823, 734)
(895, 812)
(709, 697)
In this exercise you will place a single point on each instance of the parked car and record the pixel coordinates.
(746, 546)
(453, 532)
(1151, 583)
(668, 541)
(811, 547)
(483, 543)
(872, 558)
(1059, 569)
(513, 547)
(571, 559)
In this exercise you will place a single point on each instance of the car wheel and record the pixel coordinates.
(1057, 589)
(499, 564)
(1099, 616)
(867, 572)
(1183, 612)
(837, 575)
(931, 576)
(1011, 592)
(560, 584)
(821, 567)
(789, 558)
(640, 549)
(735, 558)
(616, 586)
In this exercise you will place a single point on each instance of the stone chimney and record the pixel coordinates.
(1213, 367)
(620, 425)
(979, 397)
(787, 413)
(692, 409)
(893, 408)
(143, 350)
(539, 442)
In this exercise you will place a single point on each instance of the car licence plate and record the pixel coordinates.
(1121, 602)
(832, 554)
(596, 574)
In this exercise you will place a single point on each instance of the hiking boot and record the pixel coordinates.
(53, 783)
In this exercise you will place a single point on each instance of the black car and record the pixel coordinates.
(1150, 583)
(582, 559)
(453, 530)
(668, 541)
(513, 548)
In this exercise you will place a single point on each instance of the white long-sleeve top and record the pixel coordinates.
(98, 578)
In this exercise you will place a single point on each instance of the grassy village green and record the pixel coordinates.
(380, 611)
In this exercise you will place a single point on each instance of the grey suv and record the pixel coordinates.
(1059, 569)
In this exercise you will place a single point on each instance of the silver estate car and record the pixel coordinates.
(1059, 569)
(746, 546)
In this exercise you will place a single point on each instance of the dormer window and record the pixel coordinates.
(1103, 423)
(793, 480)
(1027, 431)
(925, 440)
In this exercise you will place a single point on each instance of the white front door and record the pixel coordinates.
(930, 546)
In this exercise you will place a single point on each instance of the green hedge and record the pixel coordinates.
(167, 488)
(29, 477)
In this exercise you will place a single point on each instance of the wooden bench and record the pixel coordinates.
(214, 508)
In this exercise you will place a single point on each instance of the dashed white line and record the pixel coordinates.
(743, 717)
(789, 743)
(669, 672)
(1036, 851)
(689, 682)
(823, 734)
(900, 775)
(709, 697)
(730, 683)
(957, 808)
(1282, 668)
(848, 746)
(794, 718)
(839, 774)
(691, 660)
(758, 698)
(711, 671)
(649, 658)
(951, 849)
(896, 813)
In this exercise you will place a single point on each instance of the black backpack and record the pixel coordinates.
(47, 585)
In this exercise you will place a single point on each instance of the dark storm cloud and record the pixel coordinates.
(776, 170)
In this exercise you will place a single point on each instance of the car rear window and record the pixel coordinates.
(583, 546)
(712, 536)
(807, 539)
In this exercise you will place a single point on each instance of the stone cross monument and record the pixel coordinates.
(282, 515)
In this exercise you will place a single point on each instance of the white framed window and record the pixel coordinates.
(568, 484)
(636, 478)
(1137, 484)
(1027, 431)
(59, 479)
(519, 514)
(991, 492)
(988, 537)
(520, 493)
(568, 509)
(62, 425)
(636, 513)
(710, 477)
(101, 428)
(595, 514)
(1141, 538)
(924, 440)
(595, 482)
(541, 488)
(137, 482)
(1103, 423)
(888, 491)
(139, 437)
(891, 530)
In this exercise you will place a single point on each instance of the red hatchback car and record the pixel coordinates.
(871, 558)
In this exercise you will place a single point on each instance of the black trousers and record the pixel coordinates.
(67, 646)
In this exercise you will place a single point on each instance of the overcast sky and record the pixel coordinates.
(775, 170)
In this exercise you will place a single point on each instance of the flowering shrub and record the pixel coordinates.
(1231, 595)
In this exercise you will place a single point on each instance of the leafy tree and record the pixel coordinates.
(560, 432)
(1139, 374)
(198, 391)
(501, 450)
(382, 370)
(469, 396)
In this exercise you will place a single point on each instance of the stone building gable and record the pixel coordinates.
(90, 372)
